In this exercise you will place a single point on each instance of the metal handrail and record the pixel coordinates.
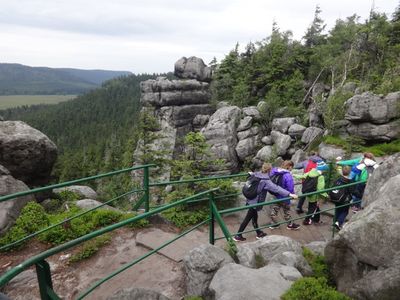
(6, 277)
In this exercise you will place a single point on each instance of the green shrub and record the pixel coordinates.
(318, 265)
(14, 234)
(138, 224)
(68, 196)
(309, 288)
(104, 217)
(384, 149)
(90, 247)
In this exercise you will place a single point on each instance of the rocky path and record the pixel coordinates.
(162, 272)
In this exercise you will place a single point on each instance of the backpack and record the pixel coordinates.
(339, 196)
(250, 188)
(309, 185)
(278, 180)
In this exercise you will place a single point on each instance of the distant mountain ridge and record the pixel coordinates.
(17, 79)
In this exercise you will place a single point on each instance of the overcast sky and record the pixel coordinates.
(150, 35)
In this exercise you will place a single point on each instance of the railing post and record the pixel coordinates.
(45, 283)
(146, 189)
(211, 222)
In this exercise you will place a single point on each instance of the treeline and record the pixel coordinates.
(279, 69)
(94, 133)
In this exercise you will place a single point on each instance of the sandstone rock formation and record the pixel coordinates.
(82, 190)
(365, 256)
(10, 209)
(192, 68)
(27, 153)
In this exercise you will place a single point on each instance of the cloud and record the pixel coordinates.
(150, 35)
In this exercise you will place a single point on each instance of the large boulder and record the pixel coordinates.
(296, 130)
(221, 135)
(252, 111)
(247, 147)
(364, 256)
(372, 108)
(310, 134)
(11, 209)
(201, 264)
(27, 153)
(82, 191)
(330, 152)
(282, 124)
(192, 68)
(374, 132)
(282, 142)
(165, 92)
(236, 282)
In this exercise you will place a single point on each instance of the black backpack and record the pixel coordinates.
(250, 188)
(277, 179)
(339, 196)
(309, 184)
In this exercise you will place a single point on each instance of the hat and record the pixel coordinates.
(322, 166)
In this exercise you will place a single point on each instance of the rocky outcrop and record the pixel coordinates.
(374, 117)
(27, 153)
(81, 190)
(364, 257)
(10, 209)
(192, 68)
(137, 293)
(236, 282)
(221, 135)
(310, 134)
(330, 152)
(201, 264)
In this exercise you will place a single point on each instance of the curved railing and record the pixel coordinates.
(42, 267)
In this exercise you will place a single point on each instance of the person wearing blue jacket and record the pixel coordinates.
(265, 186)
(284, 179)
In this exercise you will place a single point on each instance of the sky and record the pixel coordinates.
(149, 36)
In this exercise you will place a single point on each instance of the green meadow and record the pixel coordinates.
(20, 100)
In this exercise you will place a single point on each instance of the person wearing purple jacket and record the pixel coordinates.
(284, 179)
(265, 185)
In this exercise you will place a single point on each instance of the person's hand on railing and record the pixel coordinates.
(293, 196)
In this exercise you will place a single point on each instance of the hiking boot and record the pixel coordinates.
(260, 235)
(293, 226)
(273, 226)
(299, 211)
(239, 238)
(355, 209)
(337, 226)
(307, 222)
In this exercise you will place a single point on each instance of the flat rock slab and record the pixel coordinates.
(154, 238)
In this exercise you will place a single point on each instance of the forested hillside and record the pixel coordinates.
(280, 69)
(94, 132)
(17, 79)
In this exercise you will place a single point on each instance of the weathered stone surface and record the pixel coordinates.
(247, 147)
(192, 68)
(363, 254)
(201, 263)
(27, 153)
(253, 131)
(291, 259)
(299, 156)
(11, 209)
(221, 135)
(185, 114)
(296, 130)
(330, 152)
(282, 124)
(200, 121)
(310, 134)
(372, 132)
(137, 293)
(318, 247)
(82, 190)
(252, 111)
(268, 247)
(282, 142)
(90, 203)
(236, 282)
(372, 108)
(264, 154)
(267, 140)
(164, 92)
(245, 123)
(315, 118)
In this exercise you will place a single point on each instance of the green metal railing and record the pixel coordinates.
(215, 216)
(43, 270)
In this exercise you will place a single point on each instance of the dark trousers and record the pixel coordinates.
(300, 203)
(341, 214)
(252, 215)
(313, 210)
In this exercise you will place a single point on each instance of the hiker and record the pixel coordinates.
(283, 178)
(307, 165)
(361, 172)
(341, 197)
(265, 185)
(313, 181)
